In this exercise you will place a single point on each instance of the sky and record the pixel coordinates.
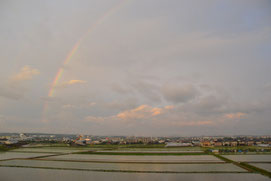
(136, 67)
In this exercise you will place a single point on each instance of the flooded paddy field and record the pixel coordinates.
(69, 166)
(25, 174)
(265, 166)
(141, 158)
(55, 149)
(224, 167)
(67, 149)
(249, 158)
(12, 155)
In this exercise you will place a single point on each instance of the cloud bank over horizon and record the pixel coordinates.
(176, 68)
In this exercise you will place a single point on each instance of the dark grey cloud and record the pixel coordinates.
(10, 93)
(179, 93)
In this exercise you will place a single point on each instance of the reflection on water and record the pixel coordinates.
(265, 166)
(26, 174)
(186, 158)
(249, 158)
(9, 155)
(127, 166)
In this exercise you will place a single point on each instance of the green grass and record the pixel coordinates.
(223, 158)
(128, 146)
(256, 169)
(245, 166)
(3, 148)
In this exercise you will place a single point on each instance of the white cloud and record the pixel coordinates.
(71, 82)
(26, 73)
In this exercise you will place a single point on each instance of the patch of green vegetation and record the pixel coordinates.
(223, 158)
(138, 153)
(40, 145)
(256, 169)
(245, 166)
(4, 148)
(128, 146)
(240, 150)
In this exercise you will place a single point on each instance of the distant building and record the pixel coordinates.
(263, 145)
(217, 143)
(206, 144)
(172, 144)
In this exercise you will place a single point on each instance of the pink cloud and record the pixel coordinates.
(143, 111)
(237, 115)
(26, 73)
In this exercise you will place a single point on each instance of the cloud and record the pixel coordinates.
(12, 88)
(121, 89)
(193, 123)
(68, 106)
(78, 106)
(147, 89)
(10, 92)
(71, 82)
(95, 119)
(26, 73)
(92, 104)
(237, 115)
(143, 89)
(2, 118)
(142, 112)
(179, 93)
(267, 86)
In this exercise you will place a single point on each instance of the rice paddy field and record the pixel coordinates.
(138, 159)
(13, 155)
(54, 150)
(265, 166)
(70, 175)
(85, 163)
(249, 158)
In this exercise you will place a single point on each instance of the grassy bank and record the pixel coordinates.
(4, 148)
(256, 169)
(128, 146)
(245, 166)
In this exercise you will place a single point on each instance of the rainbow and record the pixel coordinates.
(68, 58)
(61, 69)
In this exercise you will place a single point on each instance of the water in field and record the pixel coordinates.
(79, 149)
(265, 166)
(10, 155)
(26, 174)
(54, 150)
(125, 158)
(249, 158)
(127, 166)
